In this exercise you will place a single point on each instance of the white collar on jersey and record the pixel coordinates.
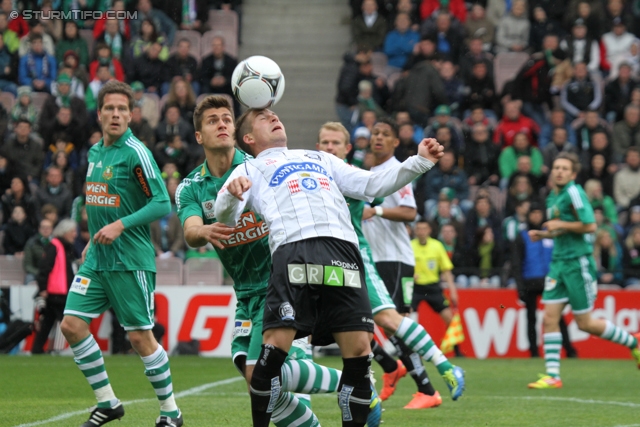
(269, 151)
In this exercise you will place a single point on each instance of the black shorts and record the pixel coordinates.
(393, 275)
(432, 294)
(317, 286)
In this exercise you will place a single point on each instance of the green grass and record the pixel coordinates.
(38, 388)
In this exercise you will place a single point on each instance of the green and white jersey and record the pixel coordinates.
(246, 256)
(571, 204)
(122, 179)
(356, 209)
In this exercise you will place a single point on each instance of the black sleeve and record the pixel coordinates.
(46, 266)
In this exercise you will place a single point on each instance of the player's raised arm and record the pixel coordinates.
(234, 196)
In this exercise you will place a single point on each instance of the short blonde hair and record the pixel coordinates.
(336, 127)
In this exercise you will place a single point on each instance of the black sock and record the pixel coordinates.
(354, 391)
(265, 384)
(386, 362)
(413, 363)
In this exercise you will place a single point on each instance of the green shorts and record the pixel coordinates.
(247, 334)
(129, 293)
(378, 294)
(572, 281)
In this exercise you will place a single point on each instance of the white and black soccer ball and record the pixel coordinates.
(257, 82)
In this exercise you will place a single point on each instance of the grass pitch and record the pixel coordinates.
(50, 391)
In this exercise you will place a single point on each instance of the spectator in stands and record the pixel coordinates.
(71, 41)
(150, 69)
(453, 87)
(403, 117)
(8, 69)
(410, 8)
(370, 28)
(148, 107)
(581, 93)
(63, 98)
(17, 23)
(361, 137)
(631, 257)
(597, 198)
(54, 191)
(512, 123)
(34, 249)
(479, 90)
(633, 218)
(586, 128)
(507, 161)
(56, 273)
(166, 233)
(399, 43)
(407, 146)
(617, 42)
(558, 120)
(592, 16)
(25, 150)
(520, 189)
(36, 29)
(61, 142)
(608, 256)
(474, 55)
(512, 34)
(140, 128)
(477, 116)
(16, 232)
(164, 24)
(542, 25)
(123, 24)
(445, 174)
(513, 224)
(615, 9)
(448, 39)
(485, 259)
(19, 194)
(61, 160)
(174, 124)
(421, 91)
(581, 48)
(443, 118)
(481, 157)
(117, 41)
(559, 144)
(626, 133)
(50, 212)
(366, 101)
(53, 27)
(103, 75)
(77, 75)
(147, 36)
(479, 26)
(6, 174)
(430, 8)
(348, 79)
(626, 183)
(195, 15)
(181, 94)
(445, 213)
(617, 93)
(37, 68)
(448, 236)
(183, 64)
(425, 50)
(65, 122)
(216, 69)
(104, 57)
(172, 150)
(10, 38)
(597, 171)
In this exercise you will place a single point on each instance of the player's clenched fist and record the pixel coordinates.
(430, 149)
(239, 186)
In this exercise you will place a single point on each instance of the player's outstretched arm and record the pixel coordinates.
(197, 234)
(233, 197)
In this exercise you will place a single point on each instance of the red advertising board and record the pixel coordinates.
(495, 323)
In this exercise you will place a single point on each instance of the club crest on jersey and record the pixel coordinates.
(208, 208)
(309, 184)
(108, 173)
(287, 312)
(283, 172)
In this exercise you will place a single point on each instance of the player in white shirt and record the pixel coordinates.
(316, 285)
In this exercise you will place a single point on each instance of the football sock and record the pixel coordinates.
(354, 396)
(413, 363)
(417, 338)
(265, 388)
(552, 345)
(88, 357)
(619, 336)
(306, 376)
(159, 375)
(386, 362)
(290, 410)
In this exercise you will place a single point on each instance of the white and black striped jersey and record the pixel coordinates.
(299, 193)
(388, 239)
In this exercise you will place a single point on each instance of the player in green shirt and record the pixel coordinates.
(124, 193)
(410, 338)
(244, 252)
(572, 276)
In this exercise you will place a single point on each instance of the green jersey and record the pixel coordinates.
(124, 182)
(571, 204)
(246, 256)
(356, 209)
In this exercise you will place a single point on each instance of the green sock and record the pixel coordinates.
(306, 376)
(88, 357)
(291, 411)
(619, 336)
(158, 373)
(417, 338)
(552, 345)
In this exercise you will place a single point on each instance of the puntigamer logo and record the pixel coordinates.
(314, 274)
(281, 174)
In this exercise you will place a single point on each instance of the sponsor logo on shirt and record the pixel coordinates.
(282, 173)
(242, 328)
(142, 179)
(80, 285)
(313, 274)
(343, 264)
(108, 173)
(98, 195)
(249, 229)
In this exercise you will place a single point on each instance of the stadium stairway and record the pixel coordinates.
(307, 39)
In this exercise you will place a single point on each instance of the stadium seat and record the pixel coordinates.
(194, 38)
(506, 66)
(204, 95)
(230, 42)
(379, 61)
(169, 272)
(203, 271)
(11, 270)
(38, 99)
(87, 35)
(152, 97)
(224, 20)
(607, 287)
(7, 100)
(632, 288)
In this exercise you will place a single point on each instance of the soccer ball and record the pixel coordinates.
(257, 82)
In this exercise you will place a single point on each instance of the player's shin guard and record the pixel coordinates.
(417, 338)
(265, 386)
(413, 363)
(386, 362)
(306, 376)
(290, 410)
(354, 391)
(159, 374)
(88, 357)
